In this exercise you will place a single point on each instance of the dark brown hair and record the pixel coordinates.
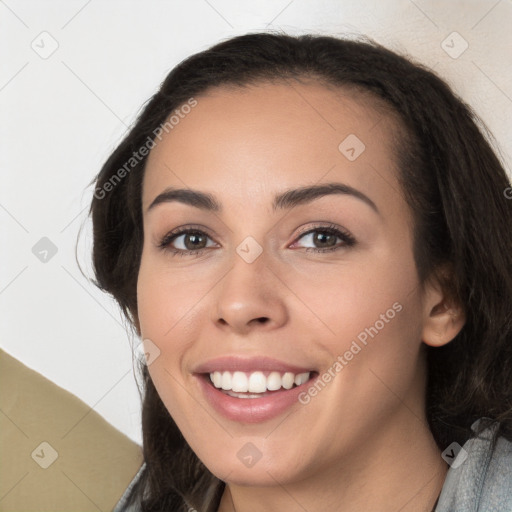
(451, 178)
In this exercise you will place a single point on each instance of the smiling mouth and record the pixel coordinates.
(256, 384)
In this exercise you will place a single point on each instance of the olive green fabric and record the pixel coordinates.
(88, 462)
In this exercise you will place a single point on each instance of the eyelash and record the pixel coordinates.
(347, 238)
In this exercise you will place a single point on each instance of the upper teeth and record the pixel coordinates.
(257, 382)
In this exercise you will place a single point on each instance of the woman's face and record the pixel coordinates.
(282, 282)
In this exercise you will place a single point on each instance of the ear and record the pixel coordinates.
(443, 317)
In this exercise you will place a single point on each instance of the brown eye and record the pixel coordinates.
(324, 239)
(193, 241)
(186, 241)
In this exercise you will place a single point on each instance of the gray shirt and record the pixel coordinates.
(483, 481)
(479, 479)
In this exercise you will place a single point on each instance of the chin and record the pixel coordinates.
(262, 473)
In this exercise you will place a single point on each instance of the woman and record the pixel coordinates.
(312, 237)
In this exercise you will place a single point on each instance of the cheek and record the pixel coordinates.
(171, 310)
(344, 299)
(167, 299)
(381, 335)
(369, 322)
(368, 318)
(166, 312)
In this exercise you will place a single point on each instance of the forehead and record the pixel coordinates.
(245, 143)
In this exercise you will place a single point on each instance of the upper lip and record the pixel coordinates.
(248, 364)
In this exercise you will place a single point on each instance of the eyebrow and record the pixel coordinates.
(285, 200)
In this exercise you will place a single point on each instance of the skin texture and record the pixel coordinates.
(363, 441)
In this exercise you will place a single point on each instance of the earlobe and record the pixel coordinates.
(443, 319)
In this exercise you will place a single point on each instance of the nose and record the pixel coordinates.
(250, 296)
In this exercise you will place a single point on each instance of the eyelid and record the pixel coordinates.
(183, 230)
(318, 227)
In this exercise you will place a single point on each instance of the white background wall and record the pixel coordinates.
(62, 115)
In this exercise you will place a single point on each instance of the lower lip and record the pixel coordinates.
(251, 410)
